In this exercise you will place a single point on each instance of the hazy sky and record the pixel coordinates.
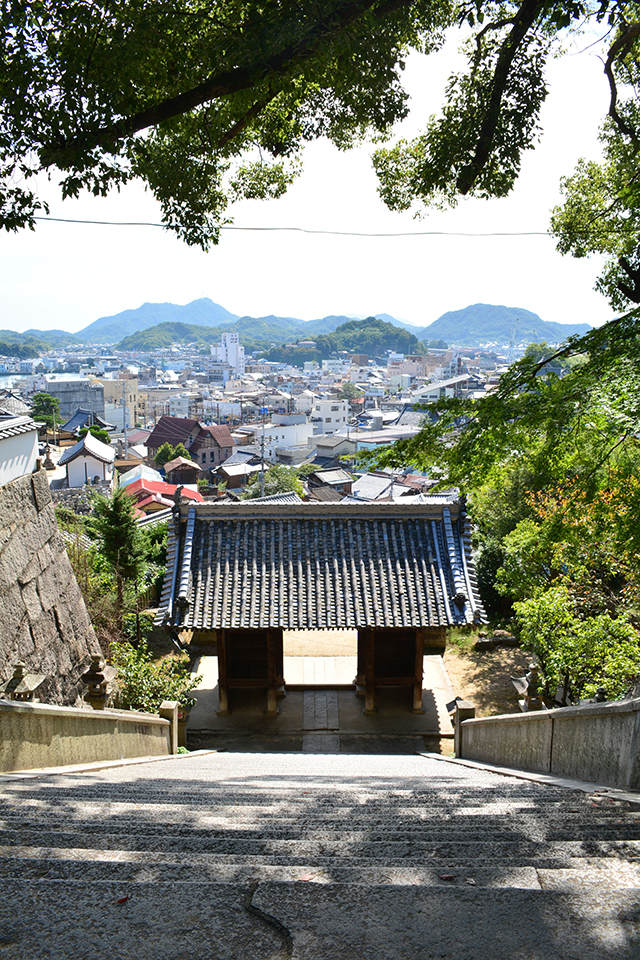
(67, 275)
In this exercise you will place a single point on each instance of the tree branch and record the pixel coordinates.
(243, 122)
(222, 84)
(523, 20)
(621, 46)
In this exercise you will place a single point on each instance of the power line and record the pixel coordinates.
(332, 233)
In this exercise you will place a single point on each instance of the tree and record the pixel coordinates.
(99, 432)
(211, 103)
(45, 408)
(349, 391)
(579, 654)
(114, 527)
(277, 479)
(166, 453)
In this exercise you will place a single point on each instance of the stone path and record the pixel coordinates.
(262, 857)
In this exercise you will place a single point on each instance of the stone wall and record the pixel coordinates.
(596, 742)
(36, 735)
(44, 619)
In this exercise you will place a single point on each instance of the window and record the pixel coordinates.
(334, 408)
(204, 458)
(212, 457)
(327, 419)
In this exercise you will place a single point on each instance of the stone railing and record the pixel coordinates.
(595, 742)
(37, 735)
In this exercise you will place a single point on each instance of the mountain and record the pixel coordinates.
(57, 339)
(487, 323)
(203, 312)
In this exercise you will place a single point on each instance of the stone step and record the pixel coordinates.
(506, 855)
(136, 836)
(572, 874)
(66, 920)
(34, 857)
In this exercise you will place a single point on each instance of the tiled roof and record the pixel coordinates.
(221, 435)
(89, 446)
(332, 440)
(173, 430)
(14, 426)
(13, 405)
(83, 418)
(180, 462)
(320, 566)
(289, 497)
(331, 477)
(161, 516)
(144, 487)
(325, 494)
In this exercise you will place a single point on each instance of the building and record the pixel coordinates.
(89, 461)
(328, 416)
(211, 446)
(18, 447)
(231, 352)
(71, 394)
(120, 394)
(239, 575)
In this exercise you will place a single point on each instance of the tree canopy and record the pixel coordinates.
(45, 408)
(208, 102)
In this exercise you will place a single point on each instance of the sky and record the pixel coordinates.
(67, 275)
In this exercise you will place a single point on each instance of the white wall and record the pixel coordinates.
(83, 469)
(18, 456)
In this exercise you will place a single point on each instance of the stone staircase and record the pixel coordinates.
(258, 857)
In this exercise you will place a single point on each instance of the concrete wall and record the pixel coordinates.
(44, 619)
(88, 394)
(39, 735)
(596, 742)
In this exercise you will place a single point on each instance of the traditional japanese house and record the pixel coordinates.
(241, 574)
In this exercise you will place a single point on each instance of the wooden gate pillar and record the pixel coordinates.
(417, 682)
(367, 638)
(223, 680)
(274, 660)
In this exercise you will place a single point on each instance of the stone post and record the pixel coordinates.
(463, 711)
(169, 711)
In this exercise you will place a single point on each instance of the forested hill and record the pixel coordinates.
(487, 323)
(371, 336)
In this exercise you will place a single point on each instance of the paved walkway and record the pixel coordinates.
(320, 713)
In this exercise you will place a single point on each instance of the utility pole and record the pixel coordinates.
(262, 456)
(124, 415)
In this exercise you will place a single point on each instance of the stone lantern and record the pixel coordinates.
(22, 686)
(97, 679)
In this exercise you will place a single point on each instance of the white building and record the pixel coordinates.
(179, 406)
(18, 448)
(230, 351)
(285, 431)
(332, 365)
(329, 415)
(87, 460)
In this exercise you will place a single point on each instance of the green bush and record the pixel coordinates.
(580, 654)
(142, 683)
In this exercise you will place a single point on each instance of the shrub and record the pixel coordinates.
(142, 683)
